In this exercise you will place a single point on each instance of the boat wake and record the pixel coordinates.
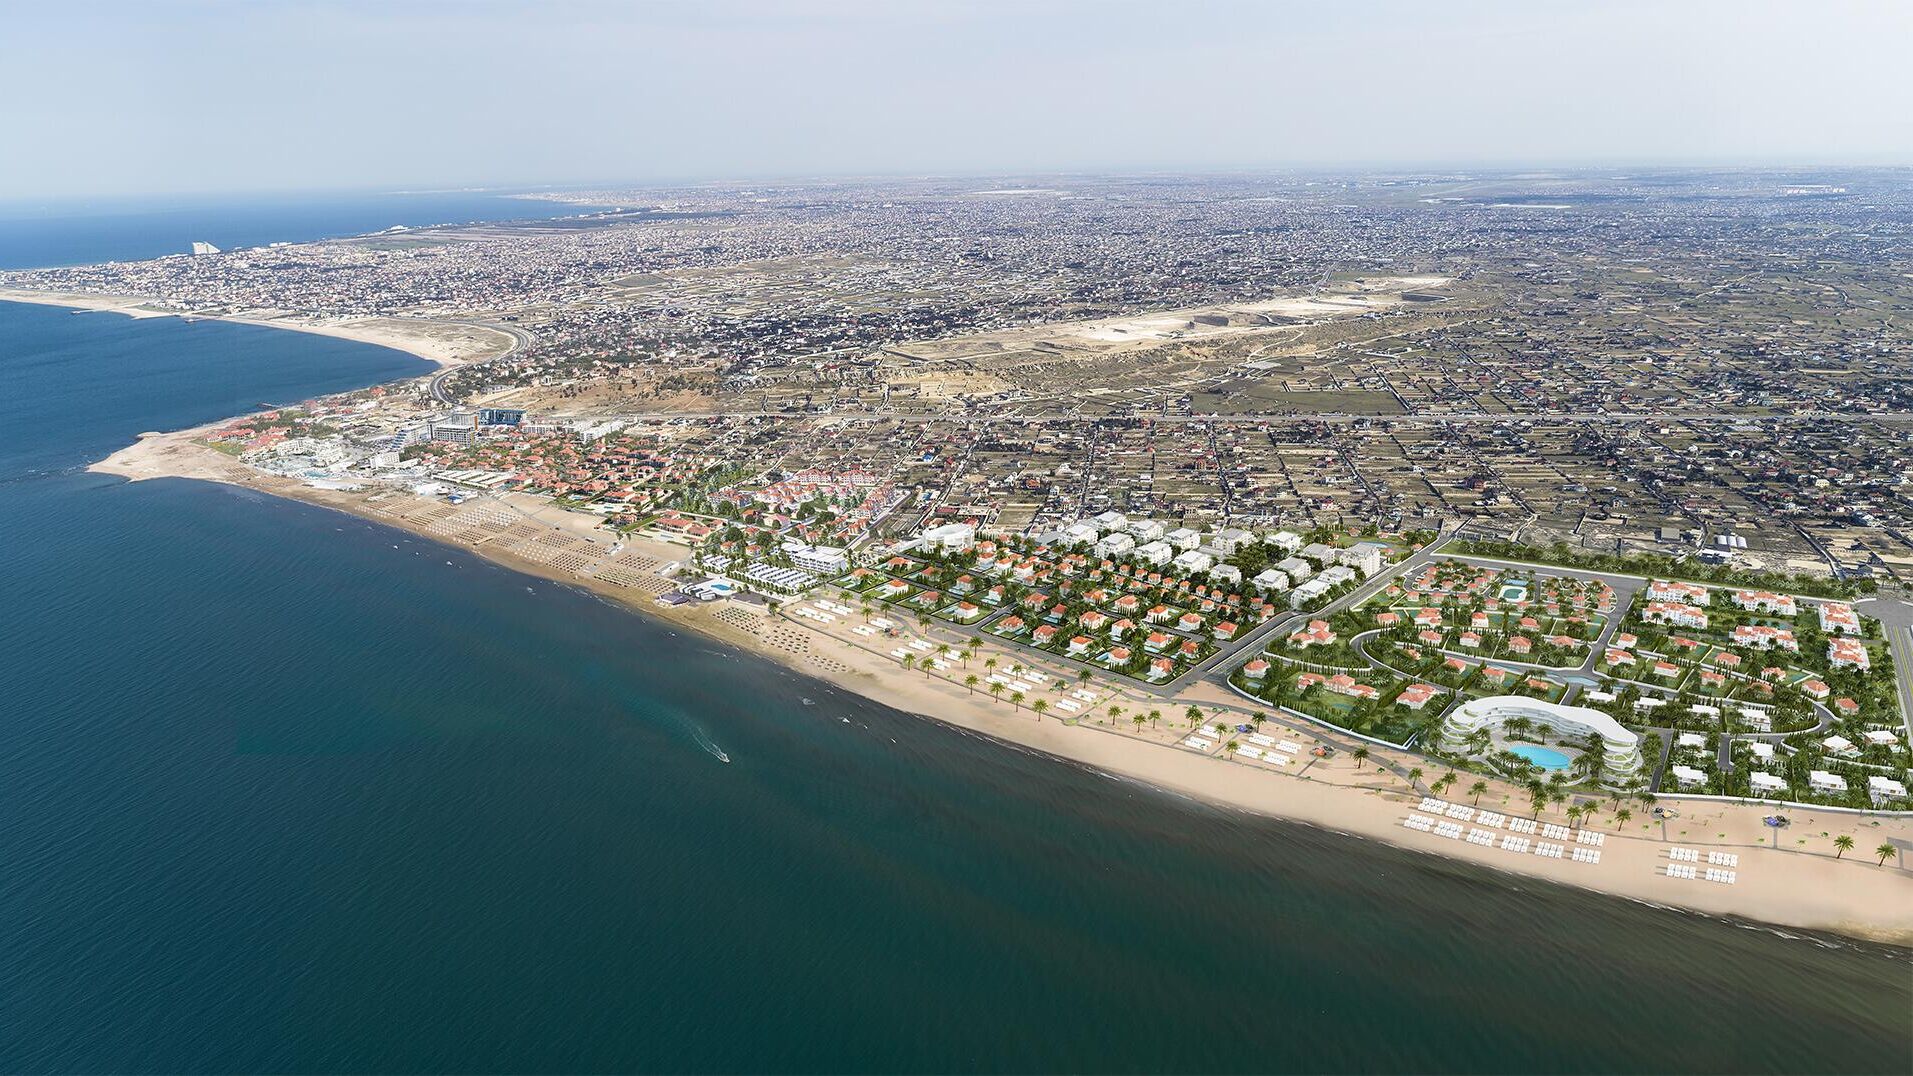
(709, 745)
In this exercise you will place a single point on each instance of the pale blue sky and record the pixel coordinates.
(164, 96)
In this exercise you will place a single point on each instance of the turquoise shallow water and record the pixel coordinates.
(283, 790)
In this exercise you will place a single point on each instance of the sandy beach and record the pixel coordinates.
(445, 343)
(1801, 883)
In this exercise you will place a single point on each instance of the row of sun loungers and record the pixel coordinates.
(1712, 874)
(1683, 855)
(1442, 827)
(1522, 825)
(1554, 831)
(1588, 836)
(1199, 743)
(1723, 859)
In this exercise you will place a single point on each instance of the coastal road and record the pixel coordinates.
(520, 339)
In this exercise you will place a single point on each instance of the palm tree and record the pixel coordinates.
(1194, 715)
(996, 689)
(1360, 755)
(1138, 718)
(1083, 677)
(1155, 717)
(1414, 775)
(1231, 747)
(1884, 850)
(1842, 845)
(1016, 699)
(1115, 712)
(1040, 705)
(989, 663)
(1537, 795)
(1622, 817)
(969, 683)
(1476, 790)
(1574, 815)
(909, 662)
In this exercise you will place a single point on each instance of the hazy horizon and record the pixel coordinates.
(215, 97)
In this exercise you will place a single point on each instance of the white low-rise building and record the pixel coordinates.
(947, 538)
(1156, 553)
(1767, 785)
(1884, 790)
(1184, 538)
(1307, 594)
(1364, 557)
(1322, 555)
(819, 559)
(1298, 570)
(1822, 781)
(1336, 575)
(1145, 530)
(1270, 580)
(1229, 539)
(1194, 562)
(1286, 541)
(1085, 533)
(1688, 776)
(1115, 544)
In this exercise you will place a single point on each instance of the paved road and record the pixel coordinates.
(519, 340)
(1251, 643)
(1896, 619)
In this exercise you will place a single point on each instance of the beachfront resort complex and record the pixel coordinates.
(1306, 527)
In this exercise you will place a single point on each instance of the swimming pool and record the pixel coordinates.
(1545, 757)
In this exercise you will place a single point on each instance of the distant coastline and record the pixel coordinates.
(442, 343)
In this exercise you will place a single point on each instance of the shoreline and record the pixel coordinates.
(442, 343)
(1783, 887)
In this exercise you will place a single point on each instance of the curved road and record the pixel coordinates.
(519, 340)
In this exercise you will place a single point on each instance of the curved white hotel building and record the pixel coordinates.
(1621, 761)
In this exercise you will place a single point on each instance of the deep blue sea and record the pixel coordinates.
(282, 790)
